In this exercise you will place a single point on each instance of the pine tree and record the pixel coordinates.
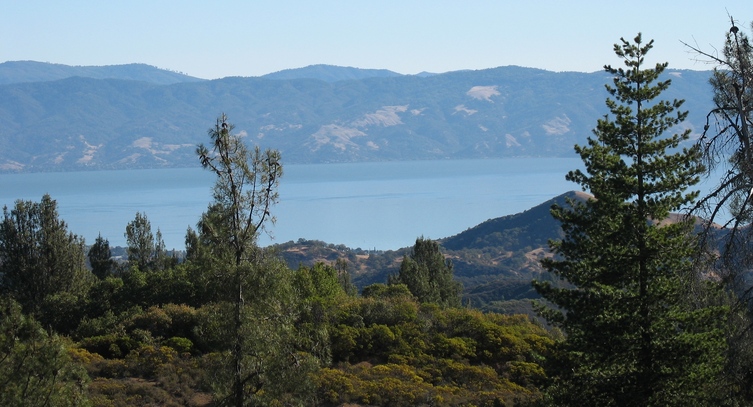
(255, 298)
(39, 257)
(146, 250)
(632, 338)
(428, 275)
(100, 258)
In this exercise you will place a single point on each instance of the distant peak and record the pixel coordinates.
(33, 71)
(330, 73)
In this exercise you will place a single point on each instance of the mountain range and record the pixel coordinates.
(61, 118)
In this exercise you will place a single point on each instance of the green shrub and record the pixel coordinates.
(146, 360)
(109, 346)
(180, 344)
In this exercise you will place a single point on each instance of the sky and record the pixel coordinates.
(254, 37)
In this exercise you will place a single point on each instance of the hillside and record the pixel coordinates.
(119, 121)
(494, 260)
(31, 71)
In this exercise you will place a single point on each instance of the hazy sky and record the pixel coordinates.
(254, 37)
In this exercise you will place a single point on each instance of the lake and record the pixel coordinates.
(381, 206)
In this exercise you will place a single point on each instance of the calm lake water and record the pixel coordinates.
(367, 205)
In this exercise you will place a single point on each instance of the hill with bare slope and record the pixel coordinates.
(494, 260)
(58, 118)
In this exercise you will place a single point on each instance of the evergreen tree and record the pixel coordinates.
(100, 258)
(39, 258)
(633, 337)
(253, 291)
(244, 192)
(145, 250)
(428, 275)
(140, 241)
(343, 276)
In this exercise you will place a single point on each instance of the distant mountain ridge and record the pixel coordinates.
(142, 117)
(32, 71)
(329, 73)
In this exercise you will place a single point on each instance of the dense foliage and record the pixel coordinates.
(35, 367)
(159, 337)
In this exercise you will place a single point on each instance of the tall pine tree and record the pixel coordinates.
(632, 338)
(266, 361)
